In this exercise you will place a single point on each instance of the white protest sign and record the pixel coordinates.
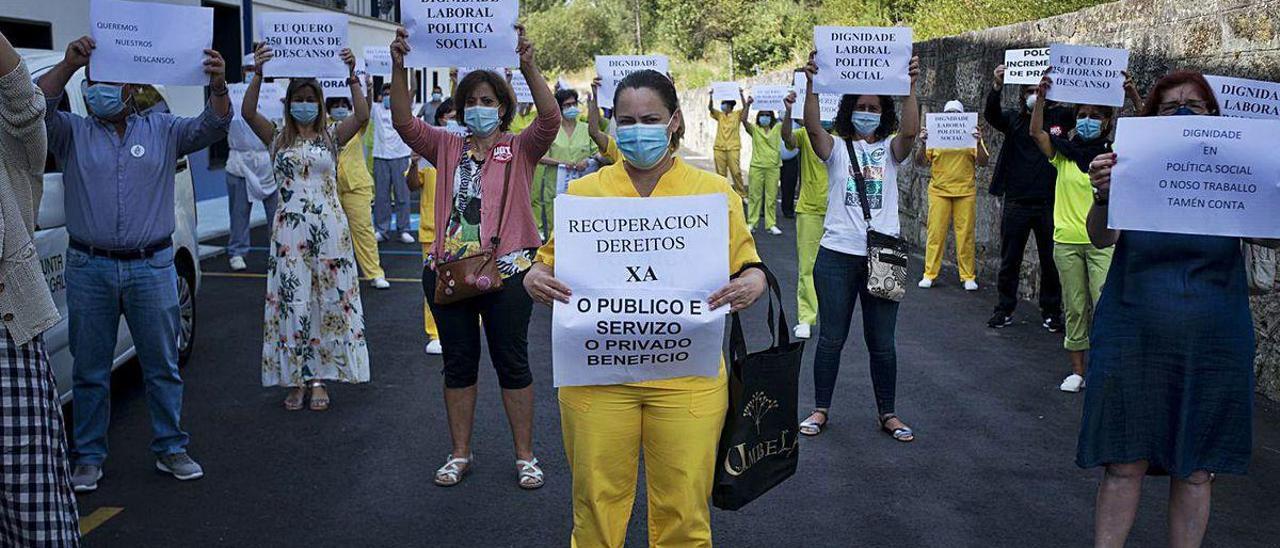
(377, 60)
(1025, 67)
(521, 87)
(146, 43)
(641, 270)
(464, 71)
(456, 33)
(613, 68)
(769, 97)
(726, 91)
(1087, 75)
(1207, 175)
(828, 102)
(270, 100)
(334, 87)
(951, 129)
(305, 45)
(863, 60)
(1243, 98)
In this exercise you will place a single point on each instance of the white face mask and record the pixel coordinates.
(1031, 101)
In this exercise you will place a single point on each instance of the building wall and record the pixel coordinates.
(1227, 37)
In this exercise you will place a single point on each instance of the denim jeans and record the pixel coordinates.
(99, 290)
(840, 280)
(391, 192)
(241, 209)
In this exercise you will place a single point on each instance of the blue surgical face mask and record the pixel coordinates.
(1088, 128)
(386, 102)
(304, 113)
(766, 120)
(866, 123)
(1184, 111)
(482, 121)
(452, 126)
(725, 107)
(104, 100)
(436, 97)
(339, 113)
(644, 145)
(571, 113)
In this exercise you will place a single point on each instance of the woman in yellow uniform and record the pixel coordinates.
(571, 150)
(811, 210)
(952, 201)
(677, 421)
(422, 176)
(355, 193)
(766, 168)
(728, 146)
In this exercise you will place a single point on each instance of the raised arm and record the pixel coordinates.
(788, 136)
(819, 139)
(593, 118)
(910, 126)
(77, 56)
(994, 113)
(922, 154)
(261, 126)
(216, 68)
(1131, 91)
(746, 114)
(1100, 176)
(1038, 134)
(359, 109)
(538, 136)
(401, 102)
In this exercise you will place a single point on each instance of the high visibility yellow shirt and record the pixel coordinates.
(727, 137)
(520, 122)
(813, 177)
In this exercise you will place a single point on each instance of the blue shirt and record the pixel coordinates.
(119, 191)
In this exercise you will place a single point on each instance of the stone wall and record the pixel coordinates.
(1227, 37)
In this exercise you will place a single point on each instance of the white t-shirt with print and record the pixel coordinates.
(845, 228)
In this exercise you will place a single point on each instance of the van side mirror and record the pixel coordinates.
(51, 213)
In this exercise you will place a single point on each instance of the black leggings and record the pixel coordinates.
(504, 316)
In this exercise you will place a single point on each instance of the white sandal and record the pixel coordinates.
(530, 475)
(453, 471)
(811, 427)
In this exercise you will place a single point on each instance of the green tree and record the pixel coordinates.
(569, 36)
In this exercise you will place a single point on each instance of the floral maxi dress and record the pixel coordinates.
(314, 321)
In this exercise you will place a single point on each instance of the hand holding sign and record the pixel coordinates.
(1100, 176)
(524, 49)
(543, 286)
(78, 52)
(216, 67)
(400, 48)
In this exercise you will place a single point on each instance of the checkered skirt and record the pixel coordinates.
(37, 506)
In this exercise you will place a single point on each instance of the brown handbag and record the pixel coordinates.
(476, 274)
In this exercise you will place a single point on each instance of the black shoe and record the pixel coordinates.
(1000, 319)
(1053, 324)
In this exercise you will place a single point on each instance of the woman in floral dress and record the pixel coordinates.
(314, 322)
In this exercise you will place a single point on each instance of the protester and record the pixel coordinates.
(1024, 178)
(38, 507)
(1170, 381)
(811, 211)
(356, 193)
(313, 315)
(677, 421)
(790, 174)
(249, 179)
(952, 201)
(390, 161)
(428, 110)
(728, 145)
(118, 170)
(766, 164)
(1082, 268)
(597, 125)
(491, 162)
(569, 158)
(869, 126)
(422, 176)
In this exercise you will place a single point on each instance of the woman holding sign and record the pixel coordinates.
(678, 420)
(1170, 382)
(493, 165)
(567, 159)
(766, 167)
(314, 319)
(862, 174)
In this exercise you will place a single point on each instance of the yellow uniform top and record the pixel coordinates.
(612, 152)
(426, 203)
(727, 137)
(953, 172)
(521, 121)
(353, 172)
(681, 180)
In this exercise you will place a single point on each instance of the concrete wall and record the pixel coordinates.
(1226, 37)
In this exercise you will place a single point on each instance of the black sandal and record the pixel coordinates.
(903, 434)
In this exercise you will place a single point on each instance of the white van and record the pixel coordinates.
(51, 236)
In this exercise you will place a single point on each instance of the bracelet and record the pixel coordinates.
(219, 91)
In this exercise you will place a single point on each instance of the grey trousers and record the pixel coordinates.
(240, 207)
(390, 191)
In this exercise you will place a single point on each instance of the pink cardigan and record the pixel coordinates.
(444, 150)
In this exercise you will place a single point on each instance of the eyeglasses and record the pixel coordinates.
(1195, 106)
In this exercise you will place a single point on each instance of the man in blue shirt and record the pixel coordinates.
(118, 172)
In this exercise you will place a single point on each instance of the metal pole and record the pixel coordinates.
(246, 26)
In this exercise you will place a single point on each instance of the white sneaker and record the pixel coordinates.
(803, 331)
(381, 283)
(925, 283)
(379, 237)
(406, 237)
(970, 285)
(774, 230)
(237, 264)
(751, 229)
(434, 348)
(1073, 383)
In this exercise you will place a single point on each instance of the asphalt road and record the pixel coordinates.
(992, 464)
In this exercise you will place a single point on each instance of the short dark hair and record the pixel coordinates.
(446, 106)
(501, 90)
(843, 125)
(564, 94)
(1173, 80)
(331, 102)
(660, 84)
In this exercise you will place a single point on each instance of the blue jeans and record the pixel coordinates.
(391, 192)
(241, 209)
(840, 280)
(99, 290)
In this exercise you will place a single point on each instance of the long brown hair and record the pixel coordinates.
(1175, 79)
(289, 133)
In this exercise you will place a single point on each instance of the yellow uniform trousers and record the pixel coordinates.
(604, 429)
(808, 236)
(729, 165)
(943, 213)
(763, 194)
(358, 205)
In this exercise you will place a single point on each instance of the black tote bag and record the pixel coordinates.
(758, 447)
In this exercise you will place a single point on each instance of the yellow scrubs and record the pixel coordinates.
(952, 201)
(521, 121)
(427, 233)
(811, 211)
(355, 192)
(676, 421)
(765, 176)
(566, 148)
(728, 148)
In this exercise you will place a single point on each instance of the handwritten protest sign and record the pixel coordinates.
(951, 129)
(521, 87)
(460, 33)
(146, 43)
(641, 270)
(1025, 67)
(270, 100)
(1087, 75)
(869, 60)
(726, 91)
(613, 68)
(377, 60)
(1207, 175)
(828, 102)
(334, 87)
(769, 97)
(1243, 98)
(306, 45)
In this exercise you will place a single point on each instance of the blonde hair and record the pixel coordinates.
(289, 133)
